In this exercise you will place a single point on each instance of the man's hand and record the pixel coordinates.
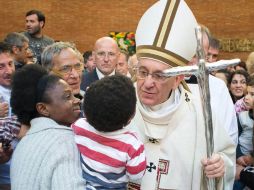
(4, 109)
(5, 154)
(214, 166)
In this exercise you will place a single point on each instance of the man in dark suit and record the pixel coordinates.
(106, 54)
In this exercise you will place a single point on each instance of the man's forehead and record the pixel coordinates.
(66, 61)
(212, 49)
(152, 64)
(152, 61)
(67, 53)
(5, 55)
(32, 17)
(123, 57)
(25, 44)
(106, 44)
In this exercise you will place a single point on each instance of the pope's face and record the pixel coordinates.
(150, 91)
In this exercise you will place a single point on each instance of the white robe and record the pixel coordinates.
(175, 144)
(221, 104)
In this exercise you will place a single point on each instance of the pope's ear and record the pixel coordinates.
(42, 109)
(178, 79)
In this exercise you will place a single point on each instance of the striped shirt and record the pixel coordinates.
(109, 160)
(9, 128)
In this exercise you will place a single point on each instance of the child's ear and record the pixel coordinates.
(42, 109)
(131, 118)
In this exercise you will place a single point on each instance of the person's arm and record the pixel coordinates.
(4, 109)
(239, 153)
(136, 165)
(23, 130)
(5, 154)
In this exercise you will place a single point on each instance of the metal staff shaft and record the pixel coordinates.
(203, 83)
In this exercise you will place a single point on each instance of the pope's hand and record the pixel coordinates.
(214, 166)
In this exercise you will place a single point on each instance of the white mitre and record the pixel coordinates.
(166, 32)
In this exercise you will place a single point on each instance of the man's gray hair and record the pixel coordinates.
(15, 39)
(55, 49)
(214, 43)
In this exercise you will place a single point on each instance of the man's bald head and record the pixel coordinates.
(106, 54)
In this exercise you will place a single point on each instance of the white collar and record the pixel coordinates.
(101, 75)
(162, 110)
(44, 123)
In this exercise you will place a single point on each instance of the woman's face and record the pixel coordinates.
(238, 86)
(64, 108)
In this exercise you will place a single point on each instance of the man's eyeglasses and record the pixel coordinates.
(66, 69)
(103, 54)
(143, 74)
(211, 56)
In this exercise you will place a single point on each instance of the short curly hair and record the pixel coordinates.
(30, 85)
(110, 103)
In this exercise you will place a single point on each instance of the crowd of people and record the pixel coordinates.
(110, 120)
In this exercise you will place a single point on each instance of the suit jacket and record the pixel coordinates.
(88, 78)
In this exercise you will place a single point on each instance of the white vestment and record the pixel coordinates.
(175, 144)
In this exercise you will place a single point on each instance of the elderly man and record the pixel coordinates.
(19, 48)
(64, 60)
(106, 54)
(7, 68)
(168, 118)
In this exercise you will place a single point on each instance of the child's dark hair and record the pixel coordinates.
(30, 85)
(110, 103)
